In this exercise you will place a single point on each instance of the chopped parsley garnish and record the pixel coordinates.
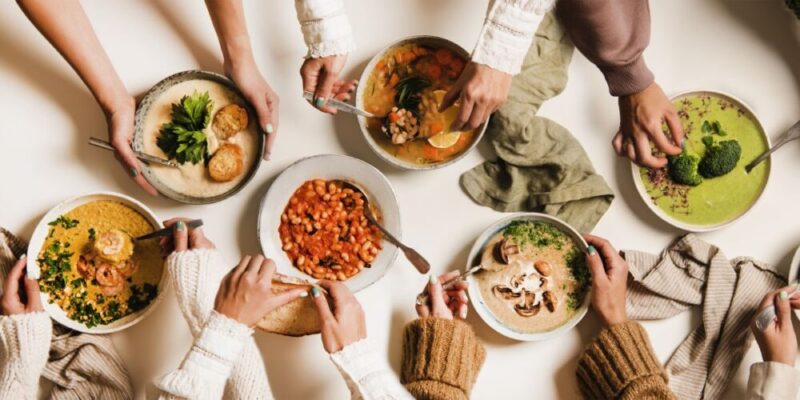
(64, 222)
(92, 233)
(534, 233)
(579, 271)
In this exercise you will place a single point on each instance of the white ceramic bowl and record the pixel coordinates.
(40, 235)
(329, 166)
(362, 122)
(637, 178)
(475, 295)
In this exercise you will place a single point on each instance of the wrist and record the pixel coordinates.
(788, 359)
(122, 103)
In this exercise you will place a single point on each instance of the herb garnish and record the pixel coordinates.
(535, 233)
(92, 233)
(409, 93)
(576, 262)
(64, 222)
(183, 139)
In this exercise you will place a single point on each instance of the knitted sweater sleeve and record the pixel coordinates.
(507, 33)
(366, 373)
(24, 345)
(620, 364)
(441, 359)
(773, 381)
(208, 364)
(326, 28)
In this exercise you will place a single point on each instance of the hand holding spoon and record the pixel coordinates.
(419, 262)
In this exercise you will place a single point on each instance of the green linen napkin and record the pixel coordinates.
(541, 166)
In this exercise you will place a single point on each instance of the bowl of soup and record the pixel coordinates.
(707, 187)
(93, 274)
(534, 283)
(403, 86)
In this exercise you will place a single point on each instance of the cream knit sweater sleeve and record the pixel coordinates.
(196, 275)
(508, 33)
(773, 381)
(326, 29)
(24, 346)
(366, 373)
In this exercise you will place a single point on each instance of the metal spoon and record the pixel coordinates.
(142, 156)
(341, 106)
(792, 134)
(418, 261)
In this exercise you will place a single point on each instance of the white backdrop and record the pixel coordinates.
(747, 48)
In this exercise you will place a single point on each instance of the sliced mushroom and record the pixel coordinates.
(504, 249)
(517, 281)
(550, 300)
(505, 292)
(527, 308)
(543, 267)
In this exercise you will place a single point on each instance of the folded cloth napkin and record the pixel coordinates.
(541, 166)
(690, 273)
(81, 366)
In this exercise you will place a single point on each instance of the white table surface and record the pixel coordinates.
(747, 48)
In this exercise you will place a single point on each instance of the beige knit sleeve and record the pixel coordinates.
(441, 359)
(773, 381)
(24, 345)
(620, 364)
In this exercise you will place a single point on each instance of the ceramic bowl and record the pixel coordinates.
(40, 235)
(328, 167)
(640, 188)
(477, 300)
(138, 136)
(362, 121)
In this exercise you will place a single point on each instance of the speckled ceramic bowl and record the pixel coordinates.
(144, 107)
(362, 122)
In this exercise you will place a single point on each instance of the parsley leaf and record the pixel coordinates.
(64, 222)
(183, 139)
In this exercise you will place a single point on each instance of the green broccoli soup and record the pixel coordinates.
(707, 184)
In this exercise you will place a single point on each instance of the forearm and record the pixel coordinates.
(612, 34)
(326, 28)
(229, 23)
(507, 33)
(208, 364)
(65, 25)
(24, 346)
(366, 374)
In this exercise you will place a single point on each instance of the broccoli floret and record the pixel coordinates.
(683, 169)
(720, 159)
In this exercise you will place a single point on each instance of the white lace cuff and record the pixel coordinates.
(508, 32)
(326, 28)
(196, 275)
(210, 361)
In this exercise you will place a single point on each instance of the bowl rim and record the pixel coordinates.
(40, 235)
(477, 301)
(262, 231)
(645, 197)
(142, 109)
(362, 121)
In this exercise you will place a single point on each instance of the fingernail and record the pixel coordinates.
(269, 128)
(22, 257)
(462, 313)
(432, 279)
(592, 250)
(134, 172)
(303, 294)
(783, 295)
(683, 143)
(319, 102)
(463, 296)
(314, 291)
(180, 225)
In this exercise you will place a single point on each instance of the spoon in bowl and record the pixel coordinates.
(418, 261)
(792, 134)
(341, 106)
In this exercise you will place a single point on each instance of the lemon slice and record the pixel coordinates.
(446, 138)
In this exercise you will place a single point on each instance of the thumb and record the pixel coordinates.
(450, 98)
(597, 268)
(323, 308)
(783, 308)
(438, 306)
(325, 90)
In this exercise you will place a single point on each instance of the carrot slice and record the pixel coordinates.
(444, 56)
(436, 127)
(434, 71)
(393, 80)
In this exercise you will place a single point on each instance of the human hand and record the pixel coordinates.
(609, 281)
(481, 90)
(778, 342)
(321, 77)
(641, 116)
(120, 135)
(183, 239)
(445, 304)
(245, 293)
(15, 301)
(344, 325)
(244, 72)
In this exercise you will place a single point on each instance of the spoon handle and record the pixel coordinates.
(341, 106)
(423, 297)
(417, 260)
(792, 134)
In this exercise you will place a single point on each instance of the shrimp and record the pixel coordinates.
(127, 268)
(85, 267)
(110, 279)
